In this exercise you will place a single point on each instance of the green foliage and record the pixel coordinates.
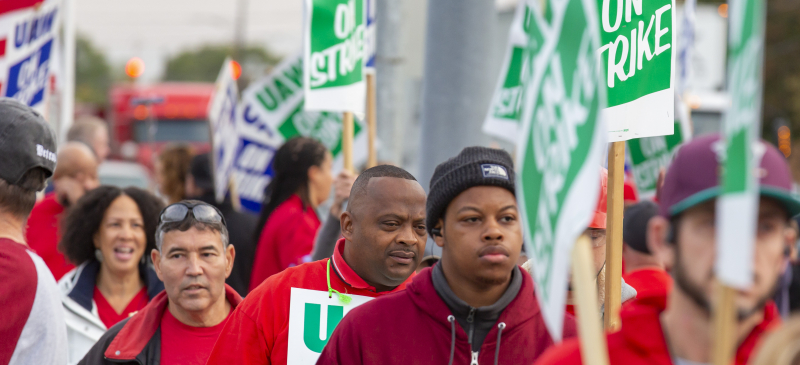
(92, 73)
(203, 64)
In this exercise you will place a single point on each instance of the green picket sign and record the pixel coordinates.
(636, 55)
(737, 207)
(560, 148)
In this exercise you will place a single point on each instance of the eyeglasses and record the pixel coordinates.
(201, 211)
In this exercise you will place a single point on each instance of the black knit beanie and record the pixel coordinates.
(474, 166)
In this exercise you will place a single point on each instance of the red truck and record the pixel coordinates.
(176, 110)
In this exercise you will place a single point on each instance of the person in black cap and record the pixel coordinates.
(475, 304)
(33, 331)
(200, 186)
(643, 271)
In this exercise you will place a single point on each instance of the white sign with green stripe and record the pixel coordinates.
(561, 146)
(737, 207)
(505, 110)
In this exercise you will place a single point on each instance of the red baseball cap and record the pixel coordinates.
(693, 176)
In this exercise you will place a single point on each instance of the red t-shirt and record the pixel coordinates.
(42, 235)
(286, 241)
(186, 345)
(650, 284)
(109, 316)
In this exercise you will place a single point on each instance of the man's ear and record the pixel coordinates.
(155, 256)
(439, 238)
(657, 232)
(230, 255)
(346, 224)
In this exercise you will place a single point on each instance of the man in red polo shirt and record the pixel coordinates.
(384, 238)
(643, 271)
(683, 235)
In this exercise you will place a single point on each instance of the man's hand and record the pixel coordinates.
(341, 191)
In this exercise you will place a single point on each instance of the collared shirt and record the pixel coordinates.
(349, 276)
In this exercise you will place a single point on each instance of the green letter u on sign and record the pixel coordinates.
(312, 322)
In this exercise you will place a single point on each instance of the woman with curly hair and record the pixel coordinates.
(108, 234)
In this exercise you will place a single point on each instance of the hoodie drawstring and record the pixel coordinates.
(500, 327)
(452, 321)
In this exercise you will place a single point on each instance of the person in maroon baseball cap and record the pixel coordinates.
(683, 235)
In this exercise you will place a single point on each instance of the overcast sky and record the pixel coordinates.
(156, 29)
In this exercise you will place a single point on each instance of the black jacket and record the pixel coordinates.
(240, 231)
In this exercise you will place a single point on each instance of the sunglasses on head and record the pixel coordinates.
(201, 211)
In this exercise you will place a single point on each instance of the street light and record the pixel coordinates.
(134, 67)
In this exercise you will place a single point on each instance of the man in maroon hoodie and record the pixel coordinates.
(475, 304)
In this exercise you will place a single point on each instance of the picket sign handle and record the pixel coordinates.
(347, 141)
(616, 182)
(592, 340)
(234, 191)
(372, 121)
(724, 317)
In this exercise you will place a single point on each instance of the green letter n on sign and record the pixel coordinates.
(313, 321)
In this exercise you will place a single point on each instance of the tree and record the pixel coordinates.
(203, 64)
(92, 73)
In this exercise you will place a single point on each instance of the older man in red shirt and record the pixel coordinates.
(683, 235)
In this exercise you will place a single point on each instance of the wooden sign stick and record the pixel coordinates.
(593, 342)
(347, 141)
(372, 121)
(616, 182)
(724, 317)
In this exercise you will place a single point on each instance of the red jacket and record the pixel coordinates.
(137, 339)
(42, 235)
(257, 332)
(286, 240)
(641, 340)
(412, 327)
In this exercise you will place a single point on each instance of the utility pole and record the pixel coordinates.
(391, 95)
(68, 95)
(458, 81)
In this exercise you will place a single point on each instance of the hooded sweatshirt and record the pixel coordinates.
(476, 322)
(416, 326)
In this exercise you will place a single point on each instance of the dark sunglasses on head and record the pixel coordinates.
(202, 212)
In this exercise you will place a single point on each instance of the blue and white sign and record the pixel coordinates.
(222, 117)
(370, 36)
(28, 38)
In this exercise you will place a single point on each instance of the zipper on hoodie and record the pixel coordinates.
(471, 320)
(474, 358)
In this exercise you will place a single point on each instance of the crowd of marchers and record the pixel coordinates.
(104, 275)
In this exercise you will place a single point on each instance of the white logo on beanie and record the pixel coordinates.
(496, 171)
(44, 152)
